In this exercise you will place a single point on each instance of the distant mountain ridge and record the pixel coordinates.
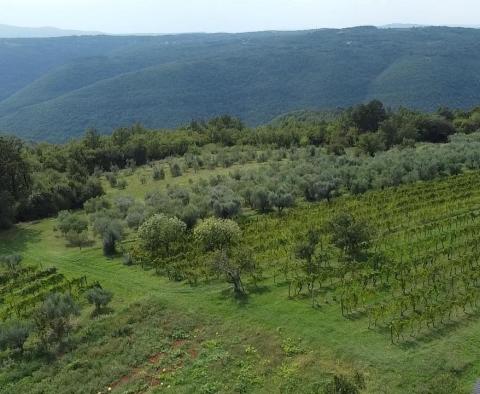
(9, 31)
(54, 88)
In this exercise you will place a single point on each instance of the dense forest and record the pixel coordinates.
(43, 179)
(54, 89)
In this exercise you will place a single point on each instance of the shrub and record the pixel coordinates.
(158, 173)
(13, 335)
(98, 297)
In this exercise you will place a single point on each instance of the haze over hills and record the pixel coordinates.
(55, 88)
(9, 31)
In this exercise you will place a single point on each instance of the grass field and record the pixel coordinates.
(248, 339)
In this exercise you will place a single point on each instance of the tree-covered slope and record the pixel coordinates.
(168, 80)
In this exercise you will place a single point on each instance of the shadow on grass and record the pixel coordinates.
(229, 294)
(258, 289)
(101, 312)
(411, 340)
(16, 239)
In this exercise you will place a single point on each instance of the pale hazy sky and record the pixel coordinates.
(173, 16)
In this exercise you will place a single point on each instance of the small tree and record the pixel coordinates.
(77, 239)
(260, 199)
(371, 143)
(224, 203)
(68, 222)
(312, 256)
(215, 234)
(159, 233)
(282, 199)
(13, 335)
(175, 169)
(111, 231)
(220, 236)
(158, 173)
(53, 319)
(98, 297)
(350, 235)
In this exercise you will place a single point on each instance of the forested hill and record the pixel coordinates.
(53, 89)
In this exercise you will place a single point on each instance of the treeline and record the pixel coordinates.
(39, 180)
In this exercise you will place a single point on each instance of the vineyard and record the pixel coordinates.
(423, 265)
(21, 290)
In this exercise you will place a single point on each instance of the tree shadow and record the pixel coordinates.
(262, 289)
(101, 312)
(17, 239)
(241, 299)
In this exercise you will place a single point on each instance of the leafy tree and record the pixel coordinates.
(434, 128)
(260, 199)
(224, 203)
(215, 234)
(367, 117)
(371, 143)
(92, 139)
(110, 230)
(77, 239)
(175, 169)
(282, 199)
(98, 297)
(15, 178)
(15, 172)
(53, 319)
(68, 222)
(350, 235)
(158, 173)
(220, 236)
(316, 189)
(159, 233)
(7, 210)
(135, 217)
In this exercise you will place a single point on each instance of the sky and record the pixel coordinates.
(177, 16)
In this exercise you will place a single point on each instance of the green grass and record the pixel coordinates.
(331, 343)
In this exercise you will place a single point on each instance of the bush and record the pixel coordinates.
(159, 233)
(122, 184)
(53, 318)
(77, 239)
(70, 223)
(98, 297)
(13, 335)
(217, 234)
(175, 170)
(260, 199)
(111, 178)
(158, 173)
(224, 203)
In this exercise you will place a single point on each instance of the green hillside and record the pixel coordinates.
(196, 338)
(52, 89)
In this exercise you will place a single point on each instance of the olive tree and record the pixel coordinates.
(221, 236)
(98, 297)
(110, 230)
(13, 335)
(68, 222)
(158, 234)
(282, 199)
(53, 319)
